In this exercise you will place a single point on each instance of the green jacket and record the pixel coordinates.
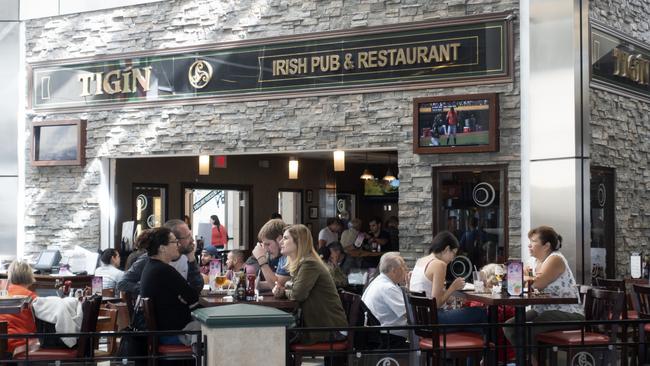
(314, 289)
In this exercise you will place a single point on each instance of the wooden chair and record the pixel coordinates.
(84, 347)
(351, 305)
(599, 305)
(3, 342)
(641, 302)
(458, 345)
(628, 312)
(167, 351)
(107, 324)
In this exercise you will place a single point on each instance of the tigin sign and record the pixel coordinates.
(461, 51)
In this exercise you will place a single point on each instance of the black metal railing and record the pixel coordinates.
(622, 349)
(150, 341)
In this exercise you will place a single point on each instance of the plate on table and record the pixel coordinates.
(468, 287)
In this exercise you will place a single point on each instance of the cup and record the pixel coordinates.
(479, 286)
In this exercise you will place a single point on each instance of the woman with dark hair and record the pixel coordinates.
(429, 275)
(108, 269)
(170, 293)
(219, 233)
(551, 274)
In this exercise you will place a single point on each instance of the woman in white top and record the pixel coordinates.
(429, 275)
(551, 275)
(108, 269)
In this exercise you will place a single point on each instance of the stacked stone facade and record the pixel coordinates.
(620, 130)
(63, 203)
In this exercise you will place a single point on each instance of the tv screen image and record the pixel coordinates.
(380, 187)
(460, 123)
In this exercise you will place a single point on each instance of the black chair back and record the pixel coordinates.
(641, 300)
(90, 308)
(352, 306)
(604, 305)
(423, 312)
(616, 285)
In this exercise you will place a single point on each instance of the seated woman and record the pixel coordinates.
(312, 287)
(429, 276)
(19, 277)
(338, 263)
(108, 269)
(551, 275)
(172, 296)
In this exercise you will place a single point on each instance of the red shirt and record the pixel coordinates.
(219, 236)
(452, 118)
(22, 322)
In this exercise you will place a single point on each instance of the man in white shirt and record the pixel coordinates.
(383, 296)
(110, 261)
(330, 233)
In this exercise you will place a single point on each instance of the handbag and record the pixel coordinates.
(133, 345)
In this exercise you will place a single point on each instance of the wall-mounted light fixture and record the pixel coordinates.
(293, 168)
(389, 177)
(339, 161)
(204, 164)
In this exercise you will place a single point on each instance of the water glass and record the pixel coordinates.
(479, 286)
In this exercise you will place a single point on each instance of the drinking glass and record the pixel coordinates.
(220, 281)
(479, 286)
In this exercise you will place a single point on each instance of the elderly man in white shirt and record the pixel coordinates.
(110, 261)
(384, 299)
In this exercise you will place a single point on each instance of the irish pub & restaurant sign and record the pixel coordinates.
(452, 52)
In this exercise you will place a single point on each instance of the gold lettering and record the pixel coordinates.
(422, 55)
(455, 47)
(411, 55)
(382, 58)
(112, 87)
(279, 67)
(444, 52)
(392, 52)
(98, 83)
(401, 58)
(372, 58)
(143, 80)
(363, 59)
(315, 63)
(85, 84)
(433, 54)
(335, 63)
(126, 81)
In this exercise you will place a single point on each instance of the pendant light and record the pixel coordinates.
(366, 175)
(389, 177)
(339, 161)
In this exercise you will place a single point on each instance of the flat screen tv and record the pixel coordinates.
(380, 188)
(455, 124)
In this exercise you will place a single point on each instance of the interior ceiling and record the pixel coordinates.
(369, 157)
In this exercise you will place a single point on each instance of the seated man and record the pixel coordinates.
(207, 255)
(235, 263)
(108, 269)
(266, 255)
(383, 297)
(185, 265)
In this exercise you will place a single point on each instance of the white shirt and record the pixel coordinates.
(180, 265)
(384, 299)
(419, 281)
(109, 274)
(328, 235)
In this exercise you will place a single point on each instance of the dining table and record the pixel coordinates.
(493, 301)
(267, 300)
(362, 253)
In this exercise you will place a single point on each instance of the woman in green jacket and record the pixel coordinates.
(312, 285)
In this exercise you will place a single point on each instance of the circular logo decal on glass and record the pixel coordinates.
(483, 194)
(340, 205)
(583, 359)
(141, 202)
(602, 195)
(200, 74)
(387, 361)
(461, 267)
(152, 221)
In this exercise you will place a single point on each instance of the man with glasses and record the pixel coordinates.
(185, 264)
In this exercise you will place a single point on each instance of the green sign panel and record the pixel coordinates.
(422, 54)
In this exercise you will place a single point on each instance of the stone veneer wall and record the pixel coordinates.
(621, 137)
(63, 204)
